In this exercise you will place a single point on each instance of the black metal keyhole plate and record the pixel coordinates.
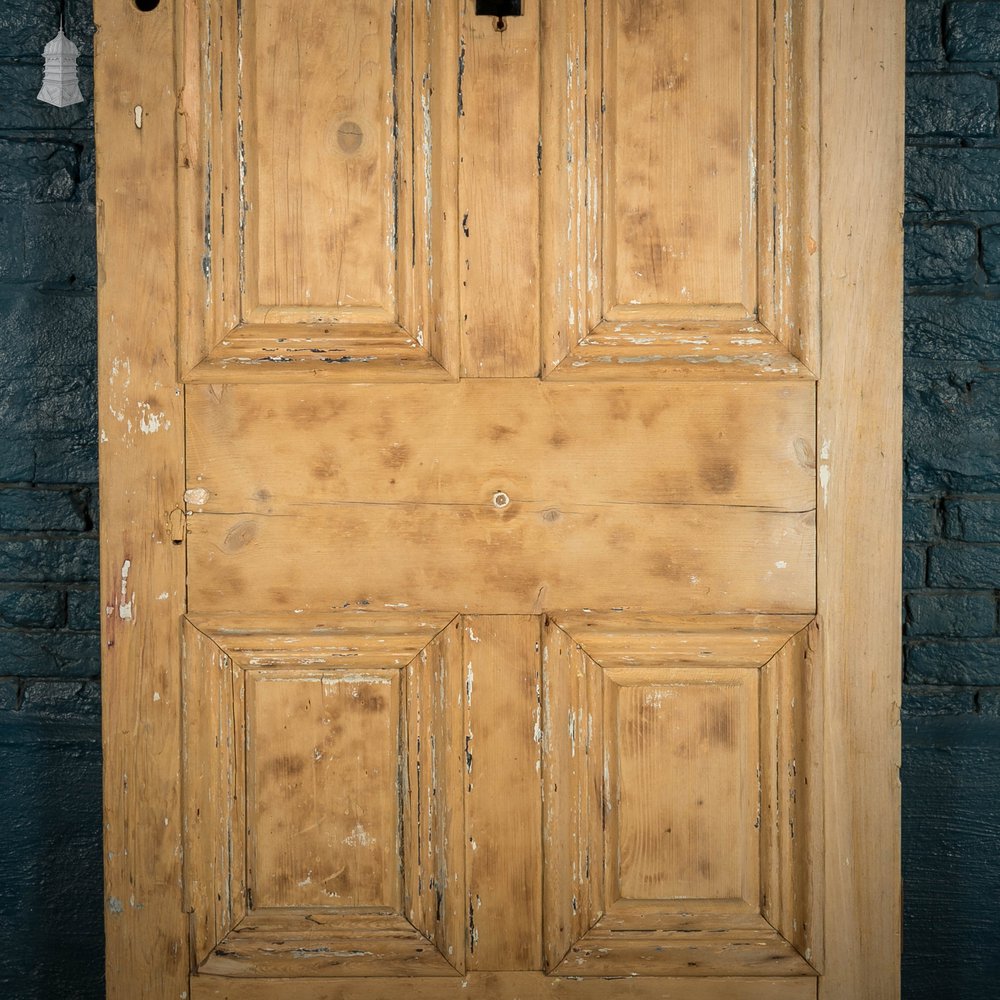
(499, 8)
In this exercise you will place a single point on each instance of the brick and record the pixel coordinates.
(922, 701)
(914, 566)
(988, 702)
(83, 610)
(950, 430)
(923, 31)
(52, 244)
(51, 897)
(36, 560)
(21, 109)
(36, 171)
(49, 420)
(920, 521)
(9, 696)
(972, 31)
(951, 828)
(48, 331)
(39, 510)
(31, 608)
(961, 105)
(991, 256)
(951, 614)
(953, 179)
(940, 253)
(954, 661)
(964, 566)
(43, 653)
(951, 328)
(63, 701)
(973, 520)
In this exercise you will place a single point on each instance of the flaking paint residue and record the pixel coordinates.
(126, 604)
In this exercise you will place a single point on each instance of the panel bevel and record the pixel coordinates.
(274, 856)
(313, 193)
(754, 713)
(746, 197)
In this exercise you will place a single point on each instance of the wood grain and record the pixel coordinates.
(572, 793)
(792, 778)
(305, 106)
(619, 640)
(312, 195)
(679, 159)
(503, 802)
(304, 943)
(498, 194)
(522, 559)
(434, 871)
(673, 953)
(309, 734)
(510, 986)
(337, 638)
(732, 444)
(141, 429)
(681, 751)
(859, 431)
(214, 880)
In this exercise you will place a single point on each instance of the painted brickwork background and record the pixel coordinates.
(50, 855)
(951, 755)
(50, 820)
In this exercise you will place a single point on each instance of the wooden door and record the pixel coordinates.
(500, 443)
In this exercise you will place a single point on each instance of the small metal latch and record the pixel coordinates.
(499, 9)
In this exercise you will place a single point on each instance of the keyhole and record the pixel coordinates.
(499, 24)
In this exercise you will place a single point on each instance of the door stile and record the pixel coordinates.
(141, 427)
(858, 502)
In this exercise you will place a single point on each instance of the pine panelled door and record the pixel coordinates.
(500, 442)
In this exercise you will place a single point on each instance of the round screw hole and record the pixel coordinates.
(146, 5)
(500, 500)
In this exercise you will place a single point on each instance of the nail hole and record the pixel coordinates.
(146, 5)
(500, 500)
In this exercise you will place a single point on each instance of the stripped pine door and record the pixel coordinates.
(499, 442)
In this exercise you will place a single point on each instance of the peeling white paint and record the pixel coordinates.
(824, 471)
(781, 564)
(137, 115)
(150, 422)
(126, 608)
(359, 837)
(156, 696)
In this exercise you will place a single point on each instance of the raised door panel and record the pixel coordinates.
(678, 190)
(681, 790)
(310, 192)
(323, 796)
(398, 191)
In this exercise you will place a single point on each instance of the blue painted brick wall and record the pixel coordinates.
(50, 765)
(951, 567)
(50, 868)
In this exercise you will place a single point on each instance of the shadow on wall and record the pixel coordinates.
(50, 868)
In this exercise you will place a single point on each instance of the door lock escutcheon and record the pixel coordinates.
(500, 9)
